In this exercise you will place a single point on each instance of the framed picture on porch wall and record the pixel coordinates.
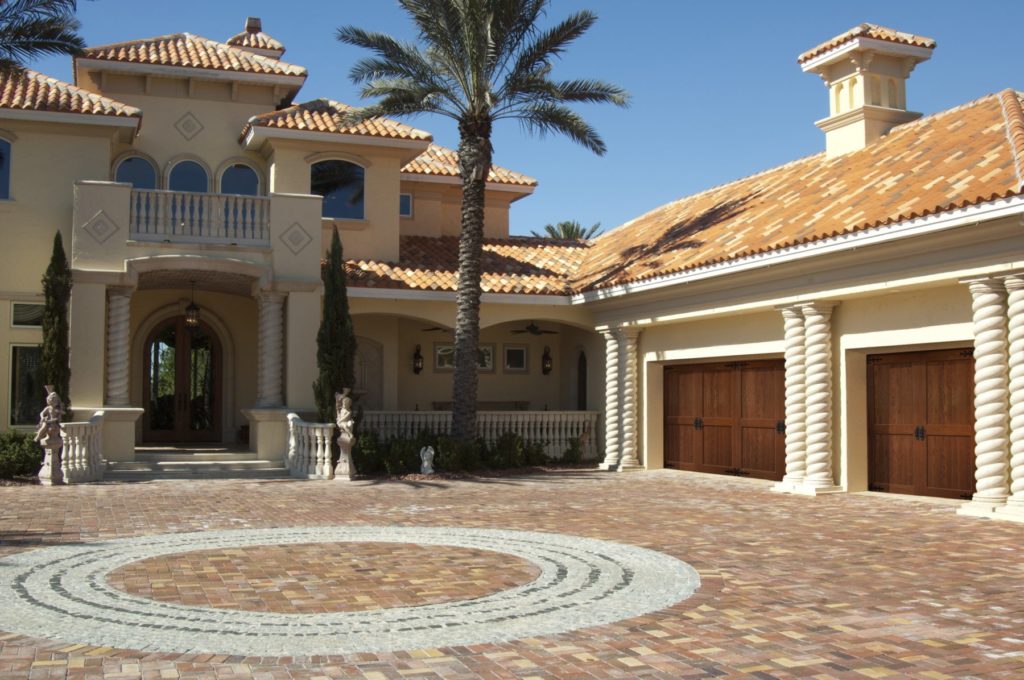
(444, 357)
(515, 359)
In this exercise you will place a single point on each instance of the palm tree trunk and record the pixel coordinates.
(474, 166)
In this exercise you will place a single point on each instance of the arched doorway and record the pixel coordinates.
(182, 383)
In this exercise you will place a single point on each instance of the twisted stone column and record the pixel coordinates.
(630, 385)
(796, 449)
(819, 402)
(270, 350)
(612, 452)
(1015, 336)
(118, 345)
(991, 383)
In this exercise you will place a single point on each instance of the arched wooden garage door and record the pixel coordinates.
(727, 418)
(921, 423)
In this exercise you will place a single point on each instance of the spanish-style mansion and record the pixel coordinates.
(849, 321)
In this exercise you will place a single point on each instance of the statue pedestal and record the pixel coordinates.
(344, 471)
(50, 474)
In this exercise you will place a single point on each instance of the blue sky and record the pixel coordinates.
(716, 91)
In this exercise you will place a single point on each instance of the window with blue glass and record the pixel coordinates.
(240, 179)
(341, 185)
(5, 169)
(188, 176)
(136, 171)
(405, 205)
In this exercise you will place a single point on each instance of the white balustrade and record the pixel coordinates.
(309, 449)
(82, 456)
(554, 429)
(186, 217)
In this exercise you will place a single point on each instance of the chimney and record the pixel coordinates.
(253, 25)
(865, 70)
(254, 40)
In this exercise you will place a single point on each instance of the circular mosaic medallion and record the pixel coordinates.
(82, 593)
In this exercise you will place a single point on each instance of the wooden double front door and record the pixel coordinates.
(726, 418)
(182, 384)
(921, 423)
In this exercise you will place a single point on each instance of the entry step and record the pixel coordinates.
(180, 467)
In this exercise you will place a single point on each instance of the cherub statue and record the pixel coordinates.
(49, 436)
(345, 421)
(427, 460)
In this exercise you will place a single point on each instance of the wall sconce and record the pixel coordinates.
(417, 361)
(545, 361)
(192, 311)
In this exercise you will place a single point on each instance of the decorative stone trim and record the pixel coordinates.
(991, 385)
(270, 346)
(796, 437)
(118, 346)
(818, 401)
(612, 451)
(629, 338)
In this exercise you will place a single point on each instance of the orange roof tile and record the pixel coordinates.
(254, 37)
(443, 162)
(867, 31)
(191, 51)
(528, 266)
(33, 91)
(959, 157)
(325, 115)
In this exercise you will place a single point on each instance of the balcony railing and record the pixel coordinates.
(184, 217)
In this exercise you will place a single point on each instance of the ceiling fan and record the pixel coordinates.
(533, 329)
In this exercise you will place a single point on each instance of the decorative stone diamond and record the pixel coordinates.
(296, 238)
(188, 126)
(100, 227)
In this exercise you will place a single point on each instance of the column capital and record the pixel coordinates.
(270, 295)
(120, 291)
(983, 283)
(629, 332)
(820, 306)
(1014, 281)
(792, 311)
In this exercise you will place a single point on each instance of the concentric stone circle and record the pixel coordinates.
(62, 593)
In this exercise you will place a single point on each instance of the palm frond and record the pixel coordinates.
(30, 28)
(544, 118)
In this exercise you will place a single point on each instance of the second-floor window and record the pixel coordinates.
(240, 179)
(188, 176)
(136, 171)
(5, 169)
(341, 185)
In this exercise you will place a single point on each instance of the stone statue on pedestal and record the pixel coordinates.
(346, 437)
(49, 436)
(427, 460)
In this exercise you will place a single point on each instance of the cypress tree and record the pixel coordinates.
(56, 359)
(336, 339)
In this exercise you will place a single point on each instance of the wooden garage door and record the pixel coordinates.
(921, 423)
(726, 418)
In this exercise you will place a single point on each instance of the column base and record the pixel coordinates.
(808, 489)
(981, 507)
(1013, 511)
(631, 466)
(786, 486)
(268, 432)
(608, 467)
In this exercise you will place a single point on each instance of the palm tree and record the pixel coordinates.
(569, 230)
(479, 61)
(30, 28)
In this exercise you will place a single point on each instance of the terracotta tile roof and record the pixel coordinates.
(325, 115)
(867, 31)
(959, 157)
(191, 51)
(529, 266)
(33, 91)
(440, 161)
(255, 39)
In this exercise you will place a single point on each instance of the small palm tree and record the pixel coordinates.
(569, 230)
(30, 28)
(479, 62)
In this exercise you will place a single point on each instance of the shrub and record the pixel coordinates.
(19, 455)
(453, 455)
(574, 454)
(366, 454)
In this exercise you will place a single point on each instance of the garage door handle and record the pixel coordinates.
(919, 433)
(698, 424)
(780, 427)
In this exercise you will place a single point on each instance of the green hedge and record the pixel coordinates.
(20, 456)
(373, 456)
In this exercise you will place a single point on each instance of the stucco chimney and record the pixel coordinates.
(865, 70)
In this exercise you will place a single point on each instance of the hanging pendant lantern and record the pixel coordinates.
(192, 311)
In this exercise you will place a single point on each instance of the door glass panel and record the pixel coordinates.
(162, 355)
(200, 382)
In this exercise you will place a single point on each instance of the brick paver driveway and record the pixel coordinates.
(837, 586)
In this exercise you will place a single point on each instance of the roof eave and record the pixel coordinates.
(290, 81)
(254, 136)
(862, 43)
(522, 189)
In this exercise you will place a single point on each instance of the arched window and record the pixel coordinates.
(188, 176)
(240, 179)
(341, 185)
(5, 169)
(136, 171)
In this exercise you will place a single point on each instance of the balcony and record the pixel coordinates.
(182, 217)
